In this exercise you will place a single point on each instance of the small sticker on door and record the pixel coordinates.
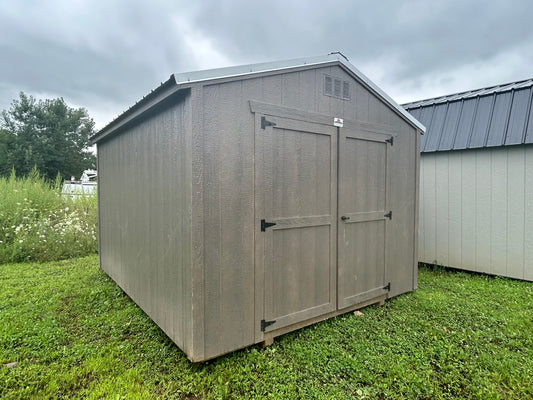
(338, 122)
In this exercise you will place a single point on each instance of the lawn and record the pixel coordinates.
(67, 331)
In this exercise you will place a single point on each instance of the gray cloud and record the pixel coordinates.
(106, 55)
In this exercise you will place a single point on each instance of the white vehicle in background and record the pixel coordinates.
(85, 186)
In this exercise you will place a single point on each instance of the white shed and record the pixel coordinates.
(476, 180)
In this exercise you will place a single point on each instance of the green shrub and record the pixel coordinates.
(37, 223)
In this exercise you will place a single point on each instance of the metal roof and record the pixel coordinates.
(499, 115)
(184, 80)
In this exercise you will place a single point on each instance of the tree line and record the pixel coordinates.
(47, 135)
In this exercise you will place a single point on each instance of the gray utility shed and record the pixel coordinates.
(476, 177)
(241, 203)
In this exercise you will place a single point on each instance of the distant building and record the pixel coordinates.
(476, 180)
(85, 186)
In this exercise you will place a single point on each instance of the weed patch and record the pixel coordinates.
(38, 224)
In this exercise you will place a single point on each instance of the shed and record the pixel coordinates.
(476, 195)
(241, 203)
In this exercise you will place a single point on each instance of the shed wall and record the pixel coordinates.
(145, 217)
(227, 211)
(476, 210)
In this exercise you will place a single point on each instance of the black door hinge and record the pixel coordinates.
(265, 225)
(265, 324)
(390, 140)
(387, 288)
(265, 123)
(388, 215)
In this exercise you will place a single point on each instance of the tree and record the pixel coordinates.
(47, 134)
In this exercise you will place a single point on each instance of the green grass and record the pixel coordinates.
(74, 334)
(38, 224)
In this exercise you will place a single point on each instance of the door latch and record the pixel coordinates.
(344, 218)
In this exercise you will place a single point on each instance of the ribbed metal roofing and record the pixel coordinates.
(499, 115)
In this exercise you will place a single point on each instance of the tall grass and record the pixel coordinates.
(38, 224)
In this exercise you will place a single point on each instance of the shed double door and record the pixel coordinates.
(300, 169)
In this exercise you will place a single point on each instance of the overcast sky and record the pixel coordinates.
(105, 55)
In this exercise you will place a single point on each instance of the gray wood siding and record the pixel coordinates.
(228, 198)
(476, 210)
(227, 191)
(145, 218)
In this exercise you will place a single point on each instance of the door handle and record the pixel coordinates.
(344, 217)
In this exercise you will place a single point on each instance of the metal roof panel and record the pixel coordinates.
(480, 129)
(494, 116)
(450, 125)
(465, 124)
(517, 119)
(471, 93)
(435, 129)
(500, 116)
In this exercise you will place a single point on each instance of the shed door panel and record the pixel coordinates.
(362, 222)
(296, 170)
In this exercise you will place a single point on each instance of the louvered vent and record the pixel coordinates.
(328, 85)
(345, 90)
(336, 87)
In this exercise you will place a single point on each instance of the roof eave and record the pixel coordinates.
(384, 96)
(158, 95)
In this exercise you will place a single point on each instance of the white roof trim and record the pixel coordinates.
(241, 70)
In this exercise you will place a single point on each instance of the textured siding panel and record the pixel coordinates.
(488, 198)
(515, 216)
(528, 215)
(468, 212)
(455, 207)
(145, 218)
(499, 211)
(228, 216)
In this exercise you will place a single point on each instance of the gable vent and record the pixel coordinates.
(328, 85)
(336, 87)
(345, 90)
